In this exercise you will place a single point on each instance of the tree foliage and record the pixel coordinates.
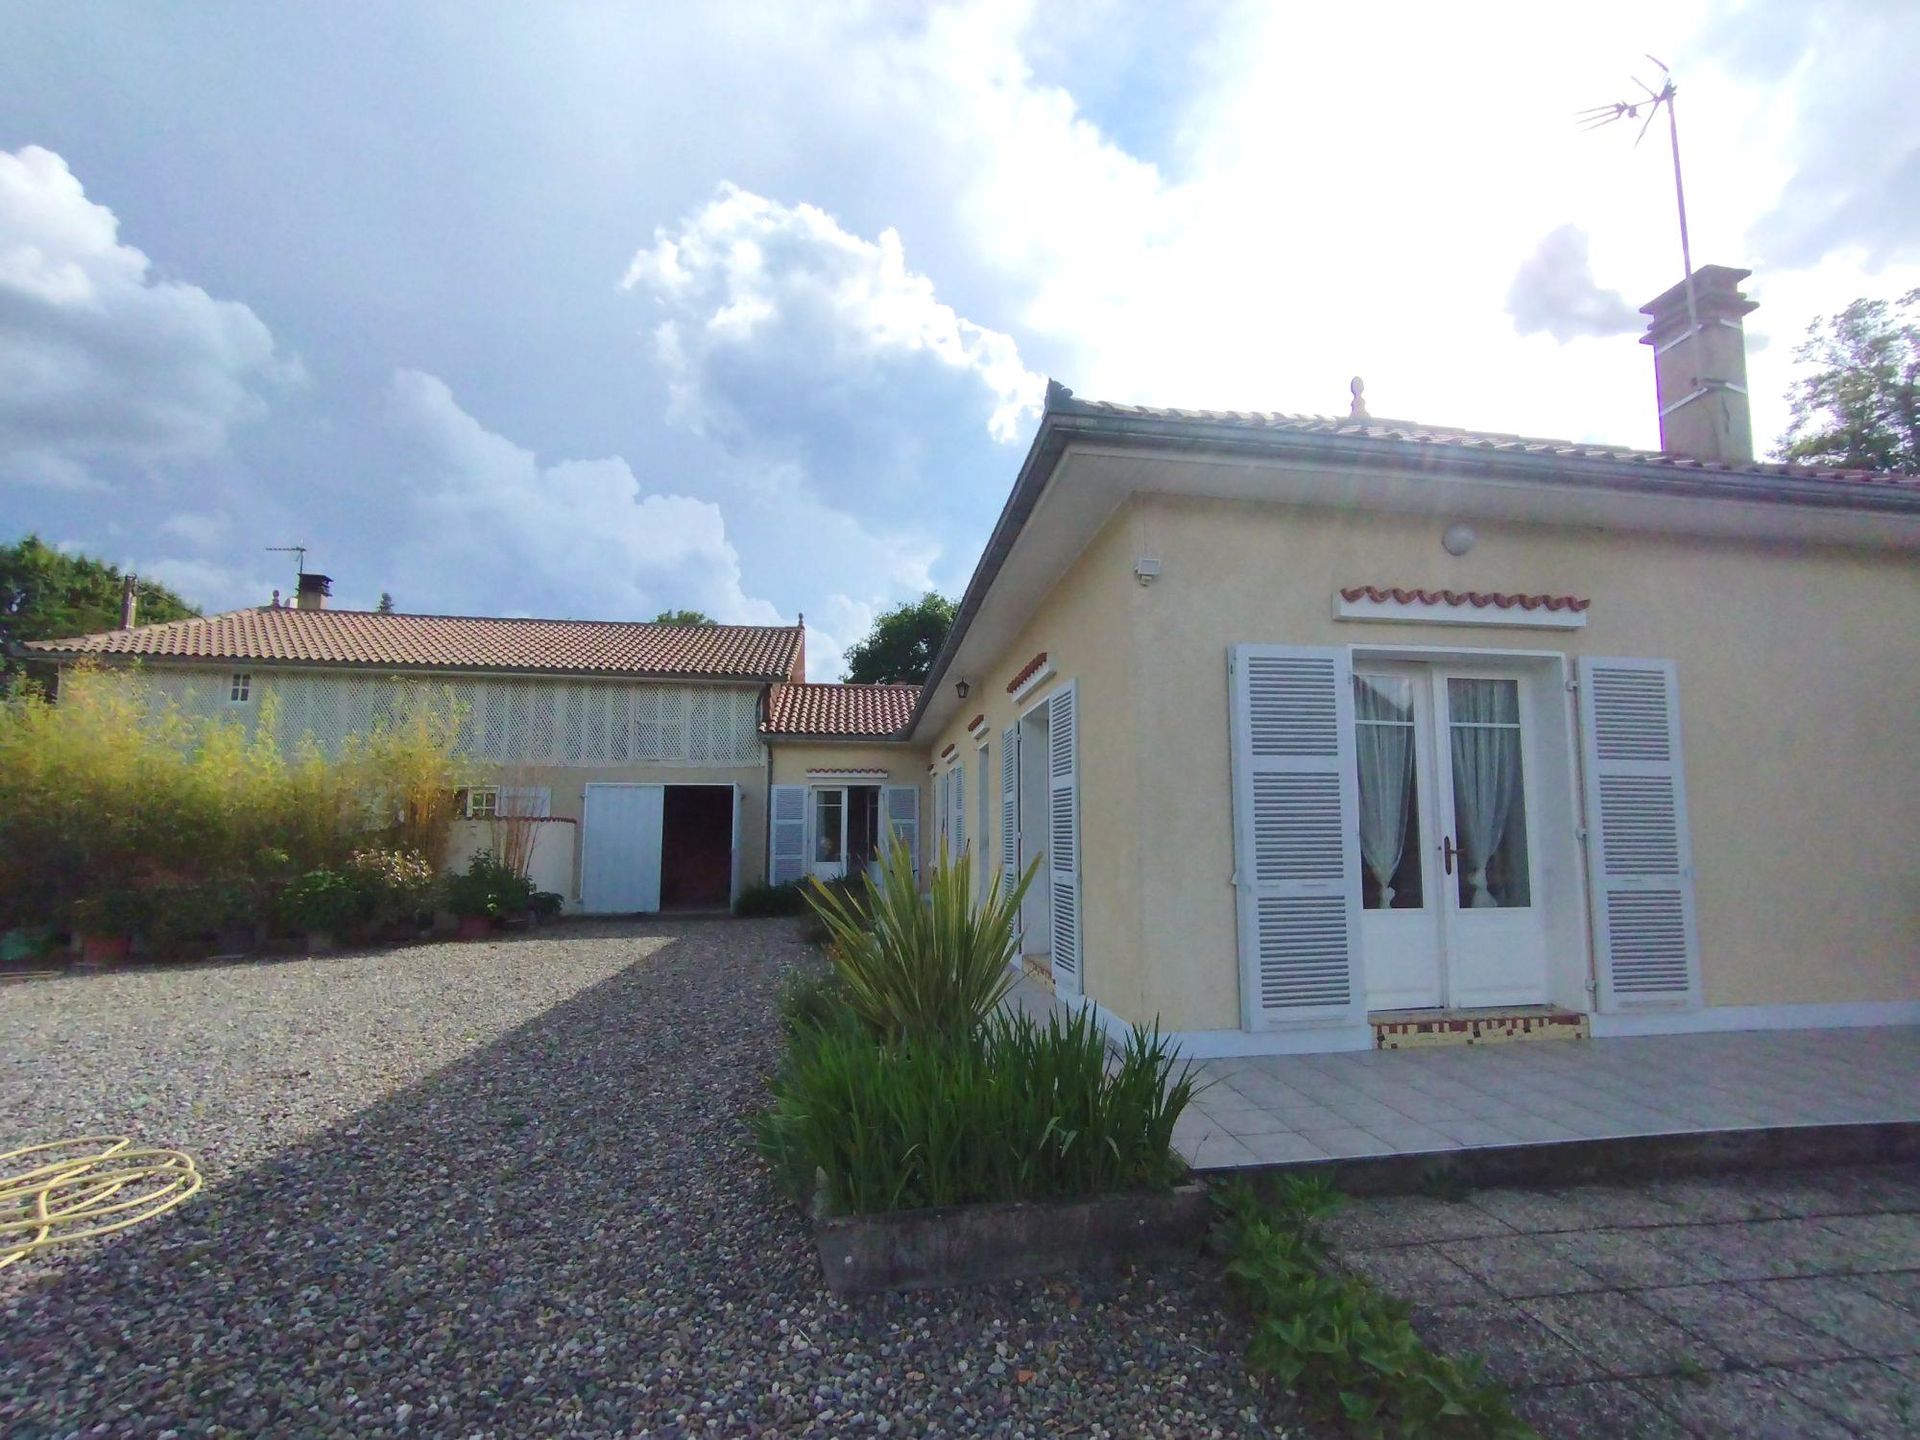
(1860, 404)
(901, 646)
(684, 617)
(46, 594)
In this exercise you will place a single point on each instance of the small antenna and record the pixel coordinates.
(299, 550)
(1603, 115)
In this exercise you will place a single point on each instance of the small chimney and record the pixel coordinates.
(313, 592)
(129, 602)
(1700, 366)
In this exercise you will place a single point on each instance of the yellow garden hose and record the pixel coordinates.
(87, 1186)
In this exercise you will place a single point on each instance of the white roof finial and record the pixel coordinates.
(1359, 388)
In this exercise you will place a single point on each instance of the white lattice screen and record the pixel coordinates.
(537, 722)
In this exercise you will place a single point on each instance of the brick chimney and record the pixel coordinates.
(129, 602)
(1700, 366)
(313, 593)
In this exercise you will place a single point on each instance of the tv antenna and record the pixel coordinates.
(299, 550)
(1652, 102)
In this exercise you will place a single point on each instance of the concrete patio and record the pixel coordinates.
(1294, 1109)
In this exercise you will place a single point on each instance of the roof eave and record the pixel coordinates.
(402, 668)
(1067, 419)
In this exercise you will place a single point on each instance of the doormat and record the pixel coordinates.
(1496, 1029)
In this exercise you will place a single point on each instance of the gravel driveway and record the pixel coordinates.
(509, 1189)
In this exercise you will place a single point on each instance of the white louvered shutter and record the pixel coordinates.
(1296, 833)
(1639, 859)
(903, 819)
(1063, 837)
(1009, 809)
(787, 855)
(957, 780)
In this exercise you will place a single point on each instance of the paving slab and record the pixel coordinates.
(1592, 1408)
(1727, 1320)
(1841, 1307)
(1864, 1396)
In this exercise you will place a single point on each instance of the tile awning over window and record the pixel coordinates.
(1477, 599)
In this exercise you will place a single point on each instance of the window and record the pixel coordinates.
(240, 687)
(1390, 846)
(1489, 793)
(986, 857)
(482, 802)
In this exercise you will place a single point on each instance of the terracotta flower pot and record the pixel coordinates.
(105, 949)
(475, 927)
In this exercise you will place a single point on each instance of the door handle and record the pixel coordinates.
(1447, 852)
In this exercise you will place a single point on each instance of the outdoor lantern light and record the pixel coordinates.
(960, 688)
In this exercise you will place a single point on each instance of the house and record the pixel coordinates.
(1318, 731)
(1322, 727)
(639, 746)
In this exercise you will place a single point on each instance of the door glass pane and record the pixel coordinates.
(1389, 798)
(826, 825)
(1489, 794)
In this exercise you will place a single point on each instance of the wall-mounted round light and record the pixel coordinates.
(961, 688)
(1459, 538)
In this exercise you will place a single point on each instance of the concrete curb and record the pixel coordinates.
(1573, 1162)
(974, 1244)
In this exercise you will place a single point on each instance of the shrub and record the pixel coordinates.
(919, 966)
(763, 900)
(1011, 1110)
(850, 890)
(118, 790)
(547, 904)
(324, 902)
(488, 888)
(1348, 1351)
(395, 885)
(813, 998)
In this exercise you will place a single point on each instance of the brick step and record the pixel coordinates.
(1506, 1025)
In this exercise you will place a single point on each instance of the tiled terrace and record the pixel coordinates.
(1277, 1110)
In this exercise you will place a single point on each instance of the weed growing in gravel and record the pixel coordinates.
(1348, 1351)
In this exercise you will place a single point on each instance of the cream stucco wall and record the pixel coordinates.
(1085, 627)
(1799, 681)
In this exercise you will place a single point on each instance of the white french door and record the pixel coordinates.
(1450, 914)
(827, 831)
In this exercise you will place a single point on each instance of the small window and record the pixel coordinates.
(483, 802)
(240, 687)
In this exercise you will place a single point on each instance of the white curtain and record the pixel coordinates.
(1485, 720)
(1385, 755)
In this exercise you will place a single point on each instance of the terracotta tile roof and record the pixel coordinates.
(844, 712)
(456, 642)
(1479, 599)
(1486, 440)
(1027, 672)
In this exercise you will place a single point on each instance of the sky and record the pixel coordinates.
(596, 310)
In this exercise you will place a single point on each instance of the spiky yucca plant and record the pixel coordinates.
(921, 967)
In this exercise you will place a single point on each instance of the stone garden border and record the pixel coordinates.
(973, 1244)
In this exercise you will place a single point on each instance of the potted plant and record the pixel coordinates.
(322, 905)
(398, 885)
(106, 923)
(545, 905)
(485, 895)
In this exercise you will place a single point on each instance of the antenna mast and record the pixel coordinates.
(1601, 115)
(299, 550)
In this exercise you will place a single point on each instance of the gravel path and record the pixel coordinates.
(508, 1189)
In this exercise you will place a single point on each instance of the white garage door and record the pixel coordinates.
(620, 867)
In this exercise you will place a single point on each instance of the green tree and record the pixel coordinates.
(684, 617)
(385, 607)
(48, 595)
(1860, 405)
(903, 642)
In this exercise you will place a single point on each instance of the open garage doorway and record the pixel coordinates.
(696, 848)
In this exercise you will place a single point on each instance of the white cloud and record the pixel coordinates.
(1554, 293)
(578, 538)
(789, 339)
(99, 360)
